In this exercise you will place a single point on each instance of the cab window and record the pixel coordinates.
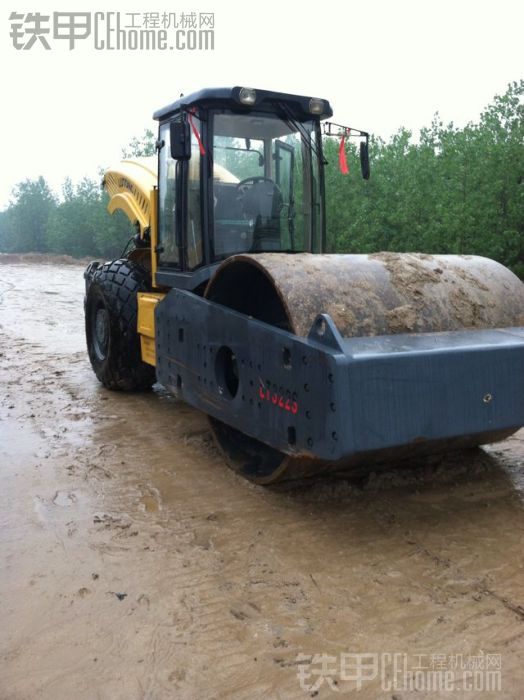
(167, 178)
(179, 180)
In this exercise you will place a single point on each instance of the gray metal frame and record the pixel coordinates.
(331, 397)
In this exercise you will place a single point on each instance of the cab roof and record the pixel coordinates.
(230, 97)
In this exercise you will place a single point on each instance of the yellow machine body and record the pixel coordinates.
(130, 185)
(132, 188)
(147, 302)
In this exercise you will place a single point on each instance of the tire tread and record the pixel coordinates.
(117, 283)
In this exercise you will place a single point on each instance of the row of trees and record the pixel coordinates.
(76, 223)
(455, 190)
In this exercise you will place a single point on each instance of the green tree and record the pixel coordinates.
(25, 220)
(453, 191)
(80, 225)
(144, 145)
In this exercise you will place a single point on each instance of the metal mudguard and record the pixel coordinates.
(332, 397)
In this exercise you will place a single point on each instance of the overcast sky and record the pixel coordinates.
(382, 64)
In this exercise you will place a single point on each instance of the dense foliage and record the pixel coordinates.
(456, 190)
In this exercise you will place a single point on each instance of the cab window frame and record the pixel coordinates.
(313, 238)
(181, 194)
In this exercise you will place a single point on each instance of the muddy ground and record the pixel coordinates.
(134, 564)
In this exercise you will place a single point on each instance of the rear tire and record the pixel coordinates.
(111, 312)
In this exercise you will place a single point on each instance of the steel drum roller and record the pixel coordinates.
(365, 295)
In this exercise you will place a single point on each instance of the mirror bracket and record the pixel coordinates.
(332, 129)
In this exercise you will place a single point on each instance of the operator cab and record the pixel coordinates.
(239, 171)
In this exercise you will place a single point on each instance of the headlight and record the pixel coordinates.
(247, 96)
(316, 106)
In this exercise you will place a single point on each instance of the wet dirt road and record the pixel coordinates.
(134, 564)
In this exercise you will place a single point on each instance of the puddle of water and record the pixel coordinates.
(14, 439)
(149, 503)
(44, 305)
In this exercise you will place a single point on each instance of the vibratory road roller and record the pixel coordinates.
(304, 362)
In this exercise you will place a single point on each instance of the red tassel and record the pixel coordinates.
(342, 161)
(197, 135)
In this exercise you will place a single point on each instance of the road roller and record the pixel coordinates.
(305, 362)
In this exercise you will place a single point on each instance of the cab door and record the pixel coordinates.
(179, 204)
(169, 203)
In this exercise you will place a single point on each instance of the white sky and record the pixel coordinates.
(381, 64)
